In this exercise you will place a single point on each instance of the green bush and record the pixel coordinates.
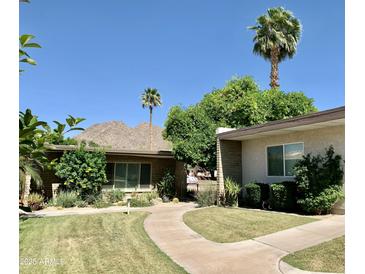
(113, 195)
(166, 187)
(232, 189)
(253, 195)
(141, 200)
(66, 199)
(264, 191)
(82, 171)
(101, 203)
(283, 196)
(323, 202)
(207, 197)
(35, 201)
(314, 175)
(81, 203)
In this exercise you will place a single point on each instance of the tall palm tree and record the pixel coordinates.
(151, 98)
(277, 36)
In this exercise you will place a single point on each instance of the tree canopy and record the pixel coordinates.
(240, 103)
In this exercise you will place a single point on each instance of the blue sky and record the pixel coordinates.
(97, 57)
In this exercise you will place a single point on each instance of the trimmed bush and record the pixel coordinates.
(264, 191)
(66, 199)
(175, 200)
(82, 171)
(113, 195)
(232, 189)
(283, 196)
(206, 198)
(323, 202)
(253, 195)
(35, 201)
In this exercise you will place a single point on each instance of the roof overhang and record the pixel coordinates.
(136, 153)
(321, 119)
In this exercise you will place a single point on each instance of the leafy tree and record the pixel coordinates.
(151, 98)
(239, 104)
(25, 43)
(192, 134)
(82, 171)
(34, 135)
(277, 36)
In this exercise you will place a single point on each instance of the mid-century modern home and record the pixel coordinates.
(131, 163)
(266, 153)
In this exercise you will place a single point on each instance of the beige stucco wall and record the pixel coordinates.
(254, 164)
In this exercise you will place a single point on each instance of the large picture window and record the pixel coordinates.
(129, 176)
(282, 158)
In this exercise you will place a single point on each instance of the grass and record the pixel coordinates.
(226, 225)
(100, 243)
(325, 257)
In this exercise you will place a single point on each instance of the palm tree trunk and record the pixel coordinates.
(274, 75)
(150, 128)
(26, 190)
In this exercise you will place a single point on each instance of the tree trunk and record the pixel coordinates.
(274, 75)
(150, 128)
(26, 190)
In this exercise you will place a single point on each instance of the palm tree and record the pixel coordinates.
(151, 98)
(277, 36)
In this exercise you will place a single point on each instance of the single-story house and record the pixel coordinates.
(131, 164)
(266, 153)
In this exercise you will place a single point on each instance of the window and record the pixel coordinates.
(128, 175)
(282, 158)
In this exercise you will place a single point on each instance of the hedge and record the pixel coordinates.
(253, 195)
(283, 196)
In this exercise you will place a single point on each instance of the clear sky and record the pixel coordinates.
(99, 56)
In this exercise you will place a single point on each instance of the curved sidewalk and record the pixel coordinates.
(261, 255)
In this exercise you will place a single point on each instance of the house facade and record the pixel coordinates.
(132, 165)
(267, 153)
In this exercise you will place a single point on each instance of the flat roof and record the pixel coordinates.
(320, 119)
(108, 151)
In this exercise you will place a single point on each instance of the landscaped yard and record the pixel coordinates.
(325, 257)
(100, 243)
(226, 225)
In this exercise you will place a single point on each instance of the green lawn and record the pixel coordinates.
(225, 225)
(100, 243)
(325, 257)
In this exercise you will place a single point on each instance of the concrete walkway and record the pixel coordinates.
(261, 255)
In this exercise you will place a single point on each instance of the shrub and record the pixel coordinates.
(91, 198)
(314, 175)
(207, 197)
(35, 201)
(175, 200)
(82, 171)
(141, 200)
(81, 203)
(323, 202)
(113, 195)
(66, 199)
(283, 196)
(101, 203)
(232, 189)
(264, 191)
(166, 187)
(253, 194)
